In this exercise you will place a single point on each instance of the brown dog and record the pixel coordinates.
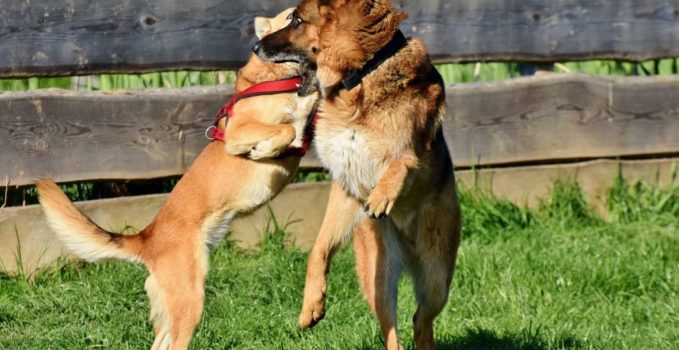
(379, 133)
(217, 186)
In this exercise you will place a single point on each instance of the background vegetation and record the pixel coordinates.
(553, 278)
(451, 72)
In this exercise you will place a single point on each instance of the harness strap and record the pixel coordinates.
(266, 88)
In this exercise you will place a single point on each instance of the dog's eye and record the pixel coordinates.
(295, 21)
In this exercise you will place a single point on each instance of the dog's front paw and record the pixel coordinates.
(264, 151)
(312, 312)
(275, 145)
(236, 149)
(379, 203)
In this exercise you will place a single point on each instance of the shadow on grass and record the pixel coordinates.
(522, 340)
(483, 339)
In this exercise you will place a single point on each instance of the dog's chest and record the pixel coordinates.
(347, 154)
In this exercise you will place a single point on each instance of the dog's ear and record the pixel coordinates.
(262, 26)
(382, 10)
(397, 18)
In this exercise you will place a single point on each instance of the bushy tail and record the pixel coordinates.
(80, 235)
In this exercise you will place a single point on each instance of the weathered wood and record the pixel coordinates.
(300, 207)
(556, 117)
(24, 232)
(132, 134)
(532, 185)
(73, 136)
(545, 31)
(71, 37)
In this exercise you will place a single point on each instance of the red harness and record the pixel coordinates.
(265, 88)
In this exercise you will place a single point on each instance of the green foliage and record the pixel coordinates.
(311, 176)
(163, 80)
(34, 83)
(471, 72)
(644, 202)
(106, 82)
(568, 206)
(451, 72)
(488, 218)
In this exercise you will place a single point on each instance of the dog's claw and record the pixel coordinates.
(378, 206)
(309, 318)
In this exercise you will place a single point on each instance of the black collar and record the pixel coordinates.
(396, 43)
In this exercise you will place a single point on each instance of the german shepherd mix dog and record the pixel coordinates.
(379, 133)
(217, 186)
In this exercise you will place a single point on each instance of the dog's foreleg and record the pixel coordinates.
(382, 198)
(258, 139)
(341, 215)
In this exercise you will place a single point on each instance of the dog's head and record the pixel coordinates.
(347, 32)
(265, 27)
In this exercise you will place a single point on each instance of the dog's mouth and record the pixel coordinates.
(278, 55)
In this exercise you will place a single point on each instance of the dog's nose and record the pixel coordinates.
(256, 46)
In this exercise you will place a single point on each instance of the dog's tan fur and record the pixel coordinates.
(174, 246)
(383, 144)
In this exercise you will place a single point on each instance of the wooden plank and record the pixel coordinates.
(532, 185)
(132, 134)
(300, 207)
(557, 117)
(545, 31)
(73, 136)
(24, 232)
(76, 37)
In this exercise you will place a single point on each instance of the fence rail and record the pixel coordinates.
(77, 37)
(72, 136)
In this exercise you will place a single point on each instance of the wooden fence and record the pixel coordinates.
(524, 132)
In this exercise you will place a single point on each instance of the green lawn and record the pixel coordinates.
(557, 278)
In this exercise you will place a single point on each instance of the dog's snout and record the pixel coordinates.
(257, 46)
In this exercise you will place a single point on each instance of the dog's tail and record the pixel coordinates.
(80, 235)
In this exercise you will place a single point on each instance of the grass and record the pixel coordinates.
(553, 278)
(106, 82)
(451, 72)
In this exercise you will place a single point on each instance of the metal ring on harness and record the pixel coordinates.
(208, 133)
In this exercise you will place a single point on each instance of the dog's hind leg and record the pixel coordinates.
(340, 217)
(158, 316)
(438, 238)
(379, 262)
(176, 291)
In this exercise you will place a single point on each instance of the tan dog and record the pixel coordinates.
(217, 186)
(379, 133)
